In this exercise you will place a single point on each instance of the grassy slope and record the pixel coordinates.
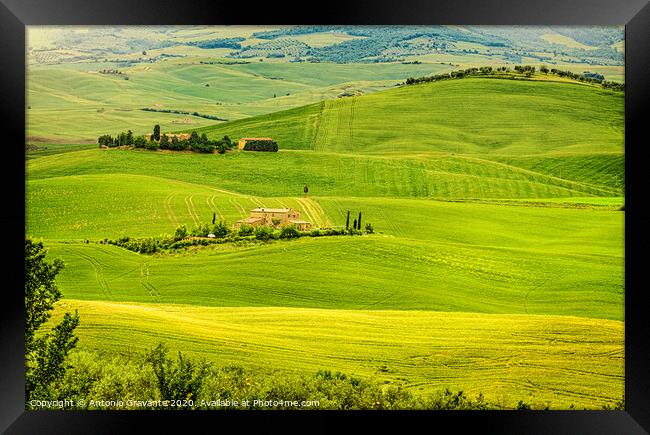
(432, 255)
(473, 115)
(355, 273)
(65, 99)
(330, 174)
(538, 359)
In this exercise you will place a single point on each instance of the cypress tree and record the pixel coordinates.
(359, 222)
(354, 224)
(214, 217)
(347, 221)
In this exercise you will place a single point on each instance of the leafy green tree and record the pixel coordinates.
(194, 137)
(105, 140)
(156, 133)
(369, 229)
(180, 233)
(204, 139)
(139, 142)
(164, 142)
(289, 232)
(180, 381)
(263, 233)
(220, 230)
(245, 230)
(201, 231)
(305, 189)
(46, 353)
(129, 138)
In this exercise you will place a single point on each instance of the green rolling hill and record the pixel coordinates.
(497, 265)
(482, 116)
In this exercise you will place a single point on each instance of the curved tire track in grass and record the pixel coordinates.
(169, 209)
(213, 206)
(99, 274)
(238, 207)
(192, 210)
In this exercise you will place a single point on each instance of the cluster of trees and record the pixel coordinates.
(233, 43)
(261, 145)
(195, 143)
(119, 140)
(114, 72)
(485, 70)
(183, 112)
(528, 70)
(589, 77)
(156, 375)
(202, 235)
(356, 224)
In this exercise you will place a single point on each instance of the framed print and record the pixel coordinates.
(431, 211)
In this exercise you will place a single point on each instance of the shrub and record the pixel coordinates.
(263, 233)
(289, 232)
(180, 233)
(201, 231)
(245, 230)
(151, 145)
(105, 140)
(315, 233)
(140, 142)
(523, 406)
(180, 381)
(369, 229)
(220, 230)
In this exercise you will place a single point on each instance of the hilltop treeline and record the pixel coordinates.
(114, 72)
(156, 141)
(234, 43)
(183, 112)
(526, 70)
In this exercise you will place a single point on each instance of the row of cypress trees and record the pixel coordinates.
(355, 225)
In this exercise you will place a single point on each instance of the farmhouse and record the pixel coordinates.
(243, 140)
(274, 217)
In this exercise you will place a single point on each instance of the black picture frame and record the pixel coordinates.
(634, 14)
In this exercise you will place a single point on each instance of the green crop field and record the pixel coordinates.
(496, 266)
(469, 116)
(73, 102)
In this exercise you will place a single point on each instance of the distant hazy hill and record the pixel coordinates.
(601, 45)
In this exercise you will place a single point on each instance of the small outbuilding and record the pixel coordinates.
(243, 140)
